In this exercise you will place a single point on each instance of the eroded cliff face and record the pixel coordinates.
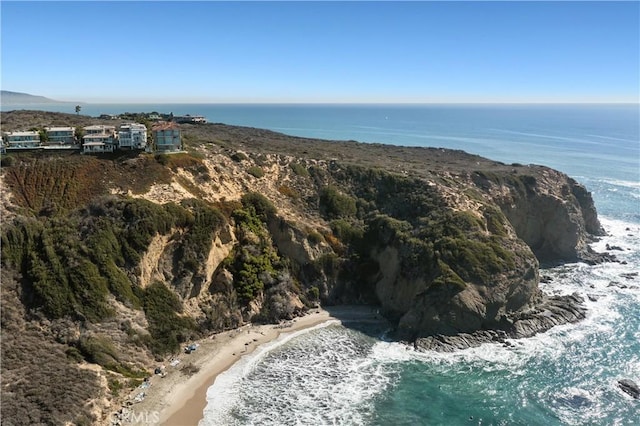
(551, 212)
(250, 225)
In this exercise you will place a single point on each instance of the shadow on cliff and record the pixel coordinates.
(366, 319)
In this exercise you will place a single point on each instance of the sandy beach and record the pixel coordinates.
(179, 398)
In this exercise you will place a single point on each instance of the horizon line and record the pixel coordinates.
(330, 103)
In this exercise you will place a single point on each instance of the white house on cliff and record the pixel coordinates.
(99, 138)
(61, 135)
(132, 136)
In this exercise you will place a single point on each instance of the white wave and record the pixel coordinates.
(327, 378)
(223, 395)
(611, 138)
(623, 183)
(622, 235)
(580, 140)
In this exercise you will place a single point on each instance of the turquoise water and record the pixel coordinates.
(334, 375)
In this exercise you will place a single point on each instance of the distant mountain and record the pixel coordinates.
(17, 98)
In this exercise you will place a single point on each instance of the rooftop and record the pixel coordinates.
(165, 125)
(22, 133)
(100, 127)
(133, 126)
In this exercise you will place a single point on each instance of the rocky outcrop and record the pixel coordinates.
(551, 212)
(543, 215)
(294, 243)
(545, 314)
(425, 306)
(629, 387)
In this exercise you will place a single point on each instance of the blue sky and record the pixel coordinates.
(323, 51)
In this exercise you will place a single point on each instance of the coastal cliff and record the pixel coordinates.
(117, 261)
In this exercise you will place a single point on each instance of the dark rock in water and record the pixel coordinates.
(442, 343)
(551, 311)
(545, 279)
(591, 257)
(630, 387)
(616, 284)
(592, 297)
(618, 248)
(629, 275)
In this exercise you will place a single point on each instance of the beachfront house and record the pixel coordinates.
(166, 136)
(92, 144)
(61, 135)
(98, 138)
(21, 140)
(132, 136)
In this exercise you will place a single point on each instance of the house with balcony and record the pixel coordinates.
(93, 144)
(61, 135)
(132, 136)
(98, 139)
(21, 140)
(167, 137)
(100, 129)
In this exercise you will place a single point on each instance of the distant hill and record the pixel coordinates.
(18, 98)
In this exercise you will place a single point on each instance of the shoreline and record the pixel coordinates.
(179, 399)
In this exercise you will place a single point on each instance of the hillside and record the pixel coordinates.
(118, 260)
(18, 98)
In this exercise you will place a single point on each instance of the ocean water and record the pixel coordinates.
(332, 375)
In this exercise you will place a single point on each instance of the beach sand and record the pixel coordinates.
(179, 398)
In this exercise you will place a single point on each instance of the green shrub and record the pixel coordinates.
(238, 157)
(334, 205)
(167, 328)
(255, 260)
(448, 276)
(315, 237)
(74, 354)
(495, 221)
(264, 208)
(98, 350)
(255, 171)
(115, 386)
(162, 159)
(287, 191)
(6, 160)
(346, 231)
(299, 169)
(197, 241)
(313, 293)
(251, 270)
